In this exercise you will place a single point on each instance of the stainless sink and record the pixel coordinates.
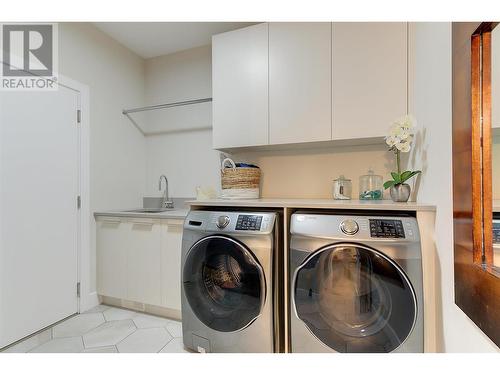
(150, 210)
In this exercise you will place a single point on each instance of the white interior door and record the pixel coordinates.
(39, 219)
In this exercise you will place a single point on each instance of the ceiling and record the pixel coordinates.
(151, 39)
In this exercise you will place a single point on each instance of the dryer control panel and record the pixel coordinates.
(249, 222)
(384, 228)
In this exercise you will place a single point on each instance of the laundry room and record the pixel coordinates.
(258, 184)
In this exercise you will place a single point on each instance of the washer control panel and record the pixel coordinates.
(370, 228)
(384, 228)
(249, 222)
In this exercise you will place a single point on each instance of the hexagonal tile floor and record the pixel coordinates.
(106, 329)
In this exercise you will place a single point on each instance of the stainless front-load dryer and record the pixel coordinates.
(227, 281)
(356, 284)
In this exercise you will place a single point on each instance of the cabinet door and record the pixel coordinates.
(300, 78)
(369, 78)
(240, 87)
(171, 263)
(144, 270)
(112, 245)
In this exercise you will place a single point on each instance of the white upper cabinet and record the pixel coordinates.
(240, 87)
(286, 83)
(369, 78)
(300, 82)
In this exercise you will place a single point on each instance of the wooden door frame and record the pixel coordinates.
(482, 214)
(477, 291)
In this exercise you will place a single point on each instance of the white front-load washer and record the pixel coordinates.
(228, 289)
(356, 284)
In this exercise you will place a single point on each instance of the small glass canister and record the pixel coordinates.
(342, 188)
(371, 186)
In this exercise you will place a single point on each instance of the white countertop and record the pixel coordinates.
(315, 203)
(387, 205)
(170, 214)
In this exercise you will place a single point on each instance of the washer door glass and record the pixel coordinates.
(355, 299)
(223, 283)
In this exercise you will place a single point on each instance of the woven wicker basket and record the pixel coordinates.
(239, 182)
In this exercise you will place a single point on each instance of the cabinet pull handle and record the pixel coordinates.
(108, 221)
(175, 222)
(142, 223)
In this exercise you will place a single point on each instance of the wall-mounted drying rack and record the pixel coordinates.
(127, 112)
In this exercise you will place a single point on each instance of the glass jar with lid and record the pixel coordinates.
(371, 186)
(342, 188)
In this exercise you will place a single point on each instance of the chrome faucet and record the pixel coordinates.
(166, 203)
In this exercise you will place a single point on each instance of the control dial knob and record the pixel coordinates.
(349, 227)
(222, 222)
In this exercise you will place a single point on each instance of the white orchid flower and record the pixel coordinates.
(412, 122)
(400, 138)
(394, 131)
(401, 131)
(404, 133)
(391, 141)
(403, 147)
(406, 122)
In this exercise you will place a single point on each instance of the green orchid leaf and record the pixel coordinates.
(388, 184)
(408, 174)
(414, 173)
(396, 177)
(405, 175)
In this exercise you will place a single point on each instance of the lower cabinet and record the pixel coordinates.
(171, 242)
(144, 271)
(139, 260)
(111, 257)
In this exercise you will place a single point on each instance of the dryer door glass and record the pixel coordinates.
(355, 299)
(223, 283)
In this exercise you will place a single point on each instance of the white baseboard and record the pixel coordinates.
(142, 307)
(89, 301)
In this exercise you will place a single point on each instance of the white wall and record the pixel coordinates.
(431, 104)
(115, 76)
(309, 173)
(185, 157)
